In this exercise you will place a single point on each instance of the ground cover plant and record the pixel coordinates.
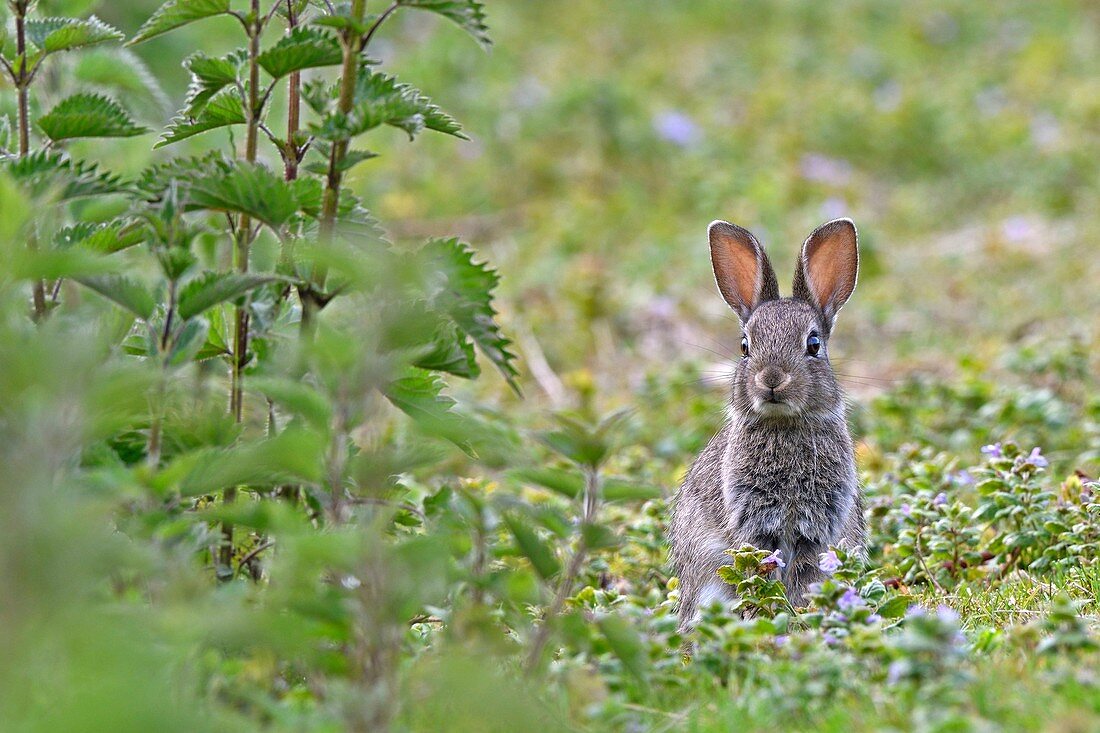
(306, 428)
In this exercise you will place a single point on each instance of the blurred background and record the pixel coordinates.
(961, 137)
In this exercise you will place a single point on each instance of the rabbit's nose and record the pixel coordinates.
(772, 380)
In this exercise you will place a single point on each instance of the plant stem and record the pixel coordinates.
(22, 85)
(240, 255)
(294, 106)
(152, 451)
(353, 45)
(588, 512)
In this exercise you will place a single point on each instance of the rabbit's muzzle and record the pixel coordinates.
(772, 383)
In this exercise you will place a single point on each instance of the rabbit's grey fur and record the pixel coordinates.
(780, 474)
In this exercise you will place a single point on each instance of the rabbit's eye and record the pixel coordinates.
(813, 344)
(744, 346)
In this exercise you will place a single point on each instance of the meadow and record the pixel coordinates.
(351, 354)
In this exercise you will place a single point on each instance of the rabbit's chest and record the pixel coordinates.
(785, 494)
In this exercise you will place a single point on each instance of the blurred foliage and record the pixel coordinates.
(283, 452)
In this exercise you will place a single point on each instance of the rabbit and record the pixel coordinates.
(780, 474)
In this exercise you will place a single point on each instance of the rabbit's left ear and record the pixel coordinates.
(827, 269)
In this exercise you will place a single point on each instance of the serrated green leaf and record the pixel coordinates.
(342, 21)
(532, 547)
(216, 287)
(303, 48)
(895, 607)
(351, 159)
(616, 489)
(467, 14)
(293, 455)
(625, 643)
(598, 536)
(465, 291)
(155, 180)
(188, 342)
(176, 13)
(217, 337)
(131, 295)
(64, 34)
(297, 397)
(246, 188)
(419, 394)
(45, 172)
(88, 115)
(223, 109)
(562, 481)
(107, 238)
(382, 100)
(209, 75)
(450, 352)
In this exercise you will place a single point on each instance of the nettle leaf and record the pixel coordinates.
(46, 172)
(625, 643)
(63, 34)
(213, 288)
(88, 115)
(155, 180)
(246, 188)
(130, 294)
(303, 48)
(351, 159)
(318, 95)
(209, 75)
(341, 20)
(450, 352)
(297, 398)
(531, 546)
(188, 342)
(464, 290)
(467, 14)
(176, 13)
(106, 238)
(223, 110)
(419, 394)
(382, 100)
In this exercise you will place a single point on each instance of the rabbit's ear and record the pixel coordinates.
(827, 269)
(741, 267)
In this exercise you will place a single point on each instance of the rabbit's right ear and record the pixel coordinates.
(741, 267)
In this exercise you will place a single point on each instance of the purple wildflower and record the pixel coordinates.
(993, 450)
(776, 558)
(963, 477)
(906, 509)
(781, 639)
(676, 128)
(828, 562)
(850, 600)
(896, 671)
(940, 500)
(947, 615)
(916, 611)
(874, 618)
(830, 639)
(1037, 459)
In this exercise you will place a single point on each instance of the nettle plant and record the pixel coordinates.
(219, 258)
